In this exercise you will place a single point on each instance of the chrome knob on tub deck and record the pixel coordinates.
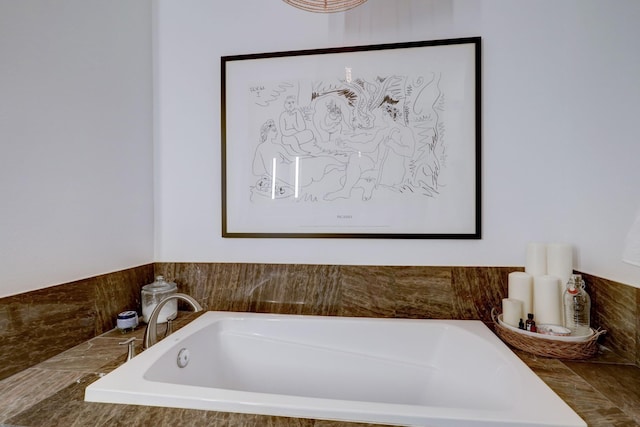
(150, 333)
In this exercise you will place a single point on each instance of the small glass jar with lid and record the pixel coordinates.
(155, 292)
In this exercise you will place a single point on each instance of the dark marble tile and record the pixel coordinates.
(589, 403)
(28, 387)
(615, 309)
(293, 289)
(637, 360)
(39, 324)
(396, 291)
(620, 383)
(366, 291)
(274, 288)
(477, 290)
(117, 292)
(43, 323)
(422, 292)
(89, 357)
(607, 417)
(215, 286)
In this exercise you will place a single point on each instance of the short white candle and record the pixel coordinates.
(546, 300)
(521, 288)
(511, 311)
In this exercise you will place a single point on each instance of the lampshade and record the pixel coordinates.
(631, 253)
(325, 6)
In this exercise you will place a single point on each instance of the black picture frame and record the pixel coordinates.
(377, 141)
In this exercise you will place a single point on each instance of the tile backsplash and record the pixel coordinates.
(37, 325)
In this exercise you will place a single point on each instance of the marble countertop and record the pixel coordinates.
(602, 390)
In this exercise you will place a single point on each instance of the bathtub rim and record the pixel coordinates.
(139, 390)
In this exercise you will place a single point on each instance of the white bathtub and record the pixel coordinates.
(387, 371)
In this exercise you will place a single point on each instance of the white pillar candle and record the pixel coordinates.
(511, 311)
(536, 261)
(560, 265)
(521, 288)
(546, 300)
(560, 262)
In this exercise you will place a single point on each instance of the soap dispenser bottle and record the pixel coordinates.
(577, 307)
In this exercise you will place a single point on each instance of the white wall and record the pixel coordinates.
(560, 125)
(77, 161)
(76, 142)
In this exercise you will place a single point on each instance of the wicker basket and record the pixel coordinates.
(546, 346)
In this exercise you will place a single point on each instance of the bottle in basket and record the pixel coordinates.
(577, 306)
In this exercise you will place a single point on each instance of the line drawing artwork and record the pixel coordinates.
(349, 138)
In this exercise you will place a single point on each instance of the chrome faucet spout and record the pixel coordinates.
(150, 333)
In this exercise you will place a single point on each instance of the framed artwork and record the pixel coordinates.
(378, 141)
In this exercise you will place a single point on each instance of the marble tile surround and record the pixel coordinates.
(333, 290)
(37, 325)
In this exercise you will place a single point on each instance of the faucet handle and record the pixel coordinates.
(170, 320)
(131, 351)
